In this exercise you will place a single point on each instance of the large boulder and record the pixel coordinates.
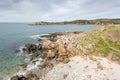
(30, 47)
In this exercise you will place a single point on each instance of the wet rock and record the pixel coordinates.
(17, 51)
(22, 78)
(30, 47)
(23, 66)
(16, 77)
(40, 40)
(44, 55)
(39, 46)
(24, 49)
(35, 54)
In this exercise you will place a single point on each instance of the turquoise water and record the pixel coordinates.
(14, 35)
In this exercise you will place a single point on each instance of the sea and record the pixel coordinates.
(13, 36)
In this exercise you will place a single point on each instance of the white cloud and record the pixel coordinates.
(57, 10)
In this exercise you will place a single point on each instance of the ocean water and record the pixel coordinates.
(15, 35)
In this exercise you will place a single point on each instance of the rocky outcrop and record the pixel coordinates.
(27, 77)
(59, 46)
(30, 47)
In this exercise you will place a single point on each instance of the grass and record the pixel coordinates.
(106, 46)
(103, 43)
(115, 28)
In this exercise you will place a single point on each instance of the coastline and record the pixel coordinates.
(44, 68)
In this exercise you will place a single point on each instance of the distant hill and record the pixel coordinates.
(82, 22)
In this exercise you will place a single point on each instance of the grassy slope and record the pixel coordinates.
(103, 44)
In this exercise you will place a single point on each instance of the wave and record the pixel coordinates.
(38, 36)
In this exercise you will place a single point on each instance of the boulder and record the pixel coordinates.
(52, 45)
(32, 77)
(17, 51)
(23, 66)
(61, 49)
(30, 47)
(45, 44)
(66, 60)
(40, 40)
(50, 54)
(21, 77)
(39, 46)
(45, 65)
(16, 77)
(24, 49)
(35, 54)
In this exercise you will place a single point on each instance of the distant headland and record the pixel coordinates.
(81, 22)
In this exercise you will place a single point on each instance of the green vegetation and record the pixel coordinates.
(82, 22)
(115, 28)
(106, 41)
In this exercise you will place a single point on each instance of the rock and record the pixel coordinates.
(44, 55)
(99, 66)
(21, 77)
(40, 40)
(16, 77)
(32, 77)
(46, 64)
(45, 44)
(24, 49)
(66, 60)
(31, 48)
(17, 51)
(50, 54)
(39, 46)
(23, 66)
(61, 49)
(52, 45)
(114, 57)
(35, 54)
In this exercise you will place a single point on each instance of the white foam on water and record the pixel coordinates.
(38, 36)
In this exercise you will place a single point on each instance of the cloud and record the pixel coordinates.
(57, 10)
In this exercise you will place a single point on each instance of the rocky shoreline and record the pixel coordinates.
(55, 49)
(60, 49)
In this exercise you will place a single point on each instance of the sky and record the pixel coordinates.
(57, 10)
